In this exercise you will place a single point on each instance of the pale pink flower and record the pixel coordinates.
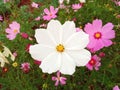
(94, 63)
(15, 54)
(59, 79)
(1, 18)
(99, 35)
(76, 7)
(13, 30)
(50, 14)
(25, 67)
(5, 1)
(24, 35)
(116, 87)
(37, 18)
(34, 5)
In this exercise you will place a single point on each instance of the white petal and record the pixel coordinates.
(79, 40)
(43, 37)
(81, 57)
(39, 52)
(2, 62)
(51, 63)
(55, 28)
(68, 29)
(67, 64)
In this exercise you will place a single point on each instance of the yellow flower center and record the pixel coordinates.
(60, 48)
(97, 35)
(15, 31)
(15, 64)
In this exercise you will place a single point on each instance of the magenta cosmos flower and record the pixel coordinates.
(116, 88)
(58, 79)
(50, 14)
(25, 67)
(94, 63)
(99, 36)
(13, 30)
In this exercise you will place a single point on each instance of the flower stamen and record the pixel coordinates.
(97, 35)
(60, 48)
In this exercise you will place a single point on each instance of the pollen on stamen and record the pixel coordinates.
(15, 31)
(97, 35)
(60, 48)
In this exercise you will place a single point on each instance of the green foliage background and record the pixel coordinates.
(105, 79)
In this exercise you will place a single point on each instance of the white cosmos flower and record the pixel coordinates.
(60, 47)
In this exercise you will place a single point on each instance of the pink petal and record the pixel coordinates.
(99, 45)
(116, 88)
(109, 35)
(97, 24)
(107, 42)
(57, 83)
(52, 9)
(46, 11)
(11, 36)
(54, 78)
(58, 74)
(89, 29)
(14, 25)
(46, 17)
(107, 27)
(90, 67)
(62, 81)
(8, 30)
(92, 43)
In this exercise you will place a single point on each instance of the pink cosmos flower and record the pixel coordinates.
(13, 30)
(76, 7)
(34, 5)
(37, 19)
(116, 2)
(94, 63)
(25, 67)
(6, 1)
(99, 36)
(50, 14)
(58, 79)
(24, 35)
(116, 87)
(1, 18)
